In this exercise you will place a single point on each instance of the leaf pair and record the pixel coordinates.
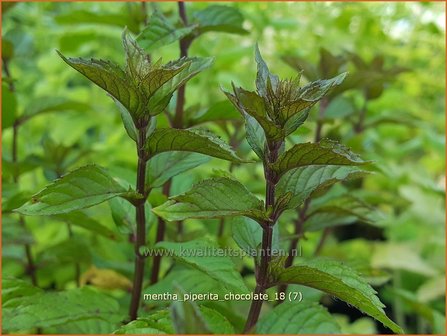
(143, 88)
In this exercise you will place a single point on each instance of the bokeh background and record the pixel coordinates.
(403, 132)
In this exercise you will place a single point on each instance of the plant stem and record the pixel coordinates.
(141, 227)
(323, 106)
(322, 241)
(267, 234)
(161, 227)
(359, 127)
(144, 12)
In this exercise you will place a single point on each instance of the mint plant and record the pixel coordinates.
(141, 90)
(275, 110)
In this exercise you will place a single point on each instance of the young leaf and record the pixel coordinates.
(248, 102)
(263, 75)
(44, 310)
(111, 78)
(123, 214)
(207, 258)
(326, 152)
(79, 189)
(213, 198)
(220, 19)
(171, 139)
(255, 136)
(169, 164)
(340, 281)
(293, 317)
(160, 32)
(304, 181)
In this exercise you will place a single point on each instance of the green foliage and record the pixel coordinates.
(195, 254)
(298, 318)
(171, 139)
(368, 76)
(74, 192)
(340, 281)
(43, 310)
(212, 198)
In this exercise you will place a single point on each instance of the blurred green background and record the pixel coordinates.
(403, 133)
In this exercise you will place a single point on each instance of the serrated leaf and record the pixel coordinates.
(160, 32)
(220, 19)
(79, 189)
(248, 102)
(169, 164)
(80, 219)
(255, 136)
(171, 139)
(111, 78)
(340, 281)
(304, 181)
(213, 198)
(325, 152)
(49, 309)
(298, 318)
(205, 257)
(263, 75)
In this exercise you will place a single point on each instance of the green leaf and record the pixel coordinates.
(220, 18)
(263, 75)
(43, 105)
(79, 189)
(304, 181)
(67, 251)
(255, 136)
(169, 164)
(248, 102)
(49, 309)
(16, 289)
(160, 32)
(159, 322)
(80, 219)
(9, 107)
(205, 257)
(298, 318)
(199, 141)
(111, 78)
(213, 198)
(340, 281)
(326, 152)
